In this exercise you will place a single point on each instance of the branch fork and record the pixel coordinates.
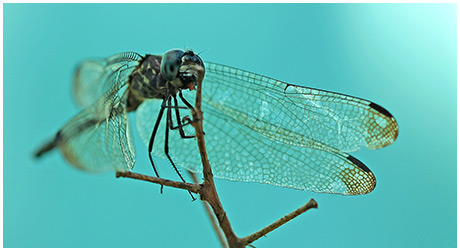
(208, 193)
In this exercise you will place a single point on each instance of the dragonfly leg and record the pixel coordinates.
(180, 123)
(189, 106)
(169, 119)
(152, 137)
(185, 101)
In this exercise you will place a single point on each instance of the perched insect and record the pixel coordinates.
(257, 129)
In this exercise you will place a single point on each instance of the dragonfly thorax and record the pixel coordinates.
(146, 82)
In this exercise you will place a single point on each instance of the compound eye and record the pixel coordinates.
(170, 64)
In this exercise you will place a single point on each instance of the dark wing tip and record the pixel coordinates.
(359, 163)
(380, 109)
(366, 183)
(393, 124)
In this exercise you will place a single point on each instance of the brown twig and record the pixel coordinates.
(211, 216)
(209, 192)
(253, 237)
(194, 188)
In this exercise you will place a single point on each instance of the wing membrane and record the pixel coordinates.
(263, 130)
(239, 153)
(98, 144)
(297, 115)
(99, 137)
(94, 77)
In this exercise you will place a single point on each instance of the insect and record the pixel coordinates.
(257, 129)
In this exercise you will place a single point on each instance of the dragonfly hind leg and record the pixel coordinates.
(168, 127)
(152, 138)
(166, 104)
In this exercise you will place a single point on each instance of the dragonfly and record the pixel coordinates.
(257, 129)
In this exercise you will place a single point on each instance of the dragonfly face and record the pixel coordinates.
(258, 129)
(182, 68)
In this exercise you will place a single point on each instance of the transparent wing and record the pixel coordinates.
(236, 152)
(99, 137)
(262, 130)
(95, 77)
(297, 115)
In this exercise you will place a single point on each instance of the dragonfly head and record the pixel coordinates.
(183, 69)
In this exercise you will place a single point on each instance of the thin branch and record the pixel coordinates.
(253, 237)
(211, 216)
(209, 192)
(194, 188)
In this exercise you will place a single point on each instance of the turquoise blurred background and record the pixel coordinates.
(401, 56)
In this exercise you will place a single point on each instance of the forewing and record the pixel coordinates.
(239, 153)
(297, 115)
(95, 77)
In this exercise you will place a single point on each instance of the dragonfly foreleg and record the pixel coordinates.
(188, 105)
(180, 123)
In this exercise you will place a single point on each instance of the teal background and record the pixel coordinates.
(401, 56)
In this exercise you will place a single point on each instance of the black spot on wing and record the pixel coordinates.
(358, 163)
(380, 109)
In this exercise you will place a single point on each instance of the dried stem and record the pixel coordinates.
(211, 216)
(194, 188)
(207, 190)
(253, 237)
